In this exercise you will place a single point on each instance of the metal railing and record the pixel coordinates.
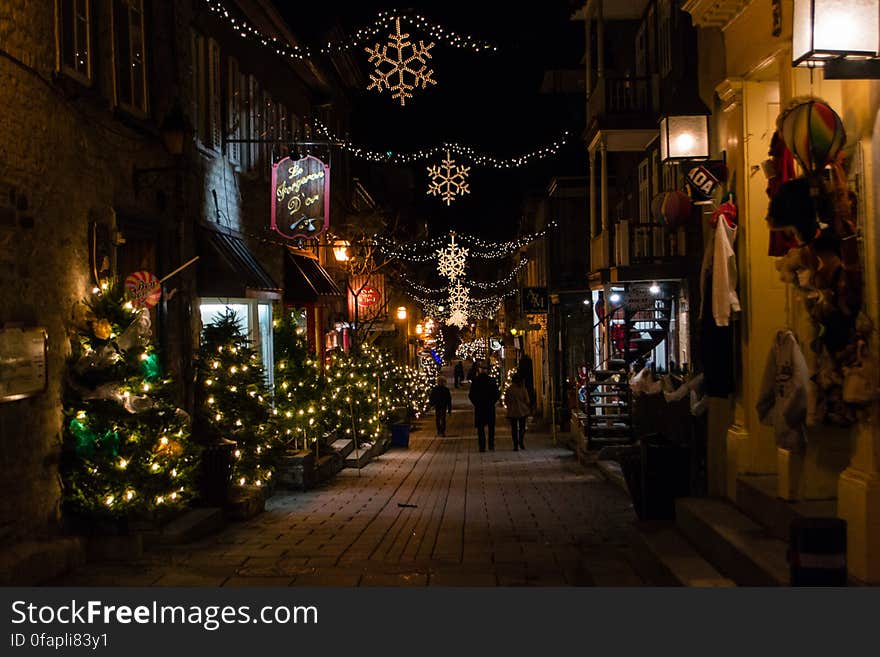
(622, 95)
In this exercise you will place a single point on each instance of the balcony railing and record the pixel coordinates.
(622, 95)
(639, 243)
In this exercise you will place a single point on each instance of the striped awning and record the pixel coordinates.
(305, 280)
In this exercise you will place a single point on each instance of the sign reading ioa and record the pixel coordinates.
(300, 197)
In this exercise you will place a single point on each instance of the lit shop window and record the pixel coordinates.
(254, 318)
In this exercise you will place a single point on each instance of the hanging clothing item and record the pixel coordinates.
(779, 169)
(782, 401)
(720, 259)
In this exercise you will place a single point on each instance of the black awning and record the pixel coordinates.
(227, 268)
(305, 280)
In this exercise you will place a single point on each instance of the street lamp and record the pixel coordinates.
(418, 329)
(401, 312)
(340, 250)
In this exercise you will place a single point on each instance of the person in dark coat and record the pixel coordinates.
(459, 373)
(484, 394)
(472, 373)
(527, 373)
(441, 400)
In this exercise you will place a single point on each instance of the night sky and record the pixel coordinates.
(490, 101)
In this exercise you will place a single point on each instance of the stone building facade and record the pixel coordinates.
(87, 88)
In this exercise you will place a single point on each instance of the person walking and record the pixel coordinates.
(516, 399)
(484, 395)
(459, 373)
(472, 373)
(441, 400)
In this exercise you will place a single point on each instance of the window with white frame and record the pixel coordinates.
(255, 319)
(234, 110)
(74, 38)
(206, 90)
(129, 56)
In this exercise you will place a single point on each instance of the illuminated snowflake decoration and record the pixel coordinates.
(408, 69)
(448, 180)
(457, 318)
(459, 296)
(451, 260)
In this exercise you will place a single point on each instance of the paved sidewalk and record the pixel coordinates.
(439, 514)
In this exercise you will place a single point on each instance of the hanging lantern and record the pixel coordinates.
(813, 133)
(828, 29)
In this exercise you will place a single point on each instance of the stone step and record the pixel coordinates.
(359, 458)
(737, 546)
(297, 470)
(191, 526)
(328, 466)
(33, 562)
(756, 496)
(665, 558)
(343, 447)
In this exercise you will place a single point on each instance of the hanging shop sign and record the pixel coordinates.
(639, 297)
(702, 182)
(366, 298)
(534, 300)
(300, 197)
(23, 370)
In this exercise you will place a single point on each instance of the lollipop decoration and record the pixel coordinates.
(144, 289)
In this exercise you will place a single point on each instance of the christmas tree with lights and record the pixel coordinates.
(232, 400)
(127, 452)
(300, 387)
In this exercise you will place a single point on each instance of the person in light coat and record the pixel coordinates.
(516, 399)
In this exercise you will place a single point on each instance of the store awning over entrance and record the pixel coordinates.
(305, 280)
(227, 268)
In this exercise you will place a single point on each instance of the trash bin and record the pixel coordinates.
(400, 434)
(817, 552)
(656, 472)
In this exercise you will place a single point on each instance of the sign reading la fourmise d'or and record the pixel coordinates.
(300, 197)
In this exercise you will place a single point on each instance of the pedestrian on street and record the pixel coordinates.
(472, 373)
(484, 395)
(516, 399)
(527, 372)
(441, 400)
(459, 373)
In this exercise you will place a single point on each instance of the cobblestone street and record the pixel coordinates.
(439, 513)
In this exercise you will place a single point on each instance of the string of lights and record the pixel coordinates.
(426, 250)
(482, 285)
(383, 22)
(463, 151)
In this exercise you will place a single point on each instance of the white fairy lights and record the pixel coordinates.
(383, 22)
(448, 180)
(463, 152)
(426, 250)
(451, 260)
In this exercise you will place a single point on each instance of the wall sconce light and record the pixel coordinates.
(841, 35)
(684, 135)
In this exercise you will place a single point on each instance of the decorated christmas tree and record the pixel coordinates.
(127, 451)
(233, 402)
(300, 387)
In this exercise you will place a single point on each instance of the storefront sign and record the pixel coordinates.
(300, 197)
(639, 297)
(366, 298)
(22, 363)
(534, 300)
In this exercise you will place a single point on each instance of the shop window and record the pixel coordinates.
(129, 56)
(74, 38)
(255, 319)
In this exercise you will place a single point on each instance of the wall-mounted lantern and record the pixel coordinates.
(827, 31)
(684, 136)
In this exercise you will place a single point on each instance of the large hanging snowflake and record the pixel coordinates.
(407, 72)
(448, 180)
(457, 318)
(459, 296)
(451, 260)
